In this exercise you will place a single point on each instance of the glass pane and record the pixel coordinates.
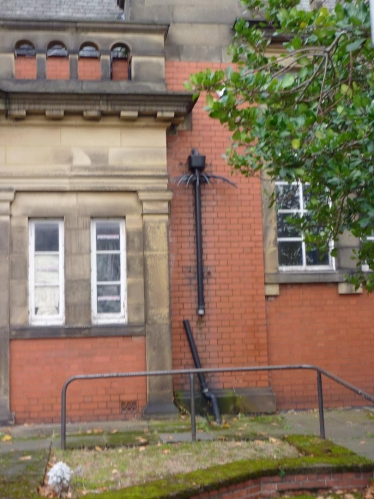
(46, 237)
(47, 300)
(108, 299)
(315, 257)
(284, 227)
(107, 236)
(108, 267)
(47, 269)
(290, 253)
(287, 197)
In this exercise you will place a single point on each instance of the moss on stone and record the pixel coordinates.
(319, 455)
(19, 477)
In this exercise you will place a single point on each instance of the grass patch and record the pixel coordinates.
(164, 471)
(119, 468)
(21, 473)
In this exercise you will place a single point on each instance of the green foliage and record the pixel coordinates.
(307, 114)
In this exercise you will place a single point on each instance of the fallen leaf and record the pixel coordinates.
(166, 451)
(114, 472)
(234, 419)
(97, 430)
(141, 440)
(99, 449)
(25, 458)
(273, 440)
(226, 426)
(114, 431)
(120, 451)
(141, 449)
(7, 438)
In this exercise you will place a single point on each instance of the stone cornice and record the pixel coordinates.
(55, 99)
(65, 25)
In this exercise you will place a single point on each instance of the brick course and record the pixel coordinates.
(25, 68)
(57, 68)
(89, 69)
(39, 368)
(233, 330)
(272, 486)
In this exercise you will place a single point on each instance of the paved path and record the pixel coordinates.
(353, 428)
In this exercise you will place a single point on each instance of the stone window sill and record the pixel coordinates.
(43, 332)
(305, 277)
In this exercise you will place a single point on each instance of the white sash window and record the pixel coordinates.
(108, 264)
(46, 272)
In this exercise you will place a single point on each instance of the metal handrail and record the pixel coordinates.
(192, 372)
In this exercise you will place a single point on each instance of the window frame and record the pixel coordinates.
(302, 211)
(46, 320)
(109, 318)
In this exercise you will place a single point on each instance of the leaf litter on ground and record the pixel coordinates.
(146, 463)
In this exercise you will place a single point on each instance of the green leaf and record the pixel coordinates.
(209, 100)
(355, 45)
(288, 81)
(295, 143)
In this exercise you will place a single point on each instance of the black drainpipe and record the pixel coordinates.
(204, 387)
(199, 247)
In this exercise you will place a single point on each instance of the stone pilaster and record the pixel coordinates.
(6, 197)
(157, 302)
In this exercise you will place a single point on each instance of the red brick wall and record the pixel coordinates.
(272, 486)
(39, 368)
(25, 68)
(308, 324)
(313, 324)
(120, 69)
(57, 68)
(233, 330)
(89, 69)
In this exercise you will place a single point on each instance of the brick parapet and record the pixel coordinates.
(266, 487)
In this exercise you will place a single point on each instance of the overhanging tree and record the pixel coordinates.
(305, 115)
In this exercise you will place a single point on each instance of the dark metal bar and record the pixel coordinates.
(192, 407)
(204, 386)
(320, 406)
(199, 247)
(138, 374)
(63, 416)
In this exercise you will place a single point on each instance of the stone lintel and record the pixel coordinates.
(155, 202)
(74, 183)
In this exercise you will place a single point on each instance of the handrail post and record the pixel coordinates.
(63, 417)
(320, 406)
(192, 408)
